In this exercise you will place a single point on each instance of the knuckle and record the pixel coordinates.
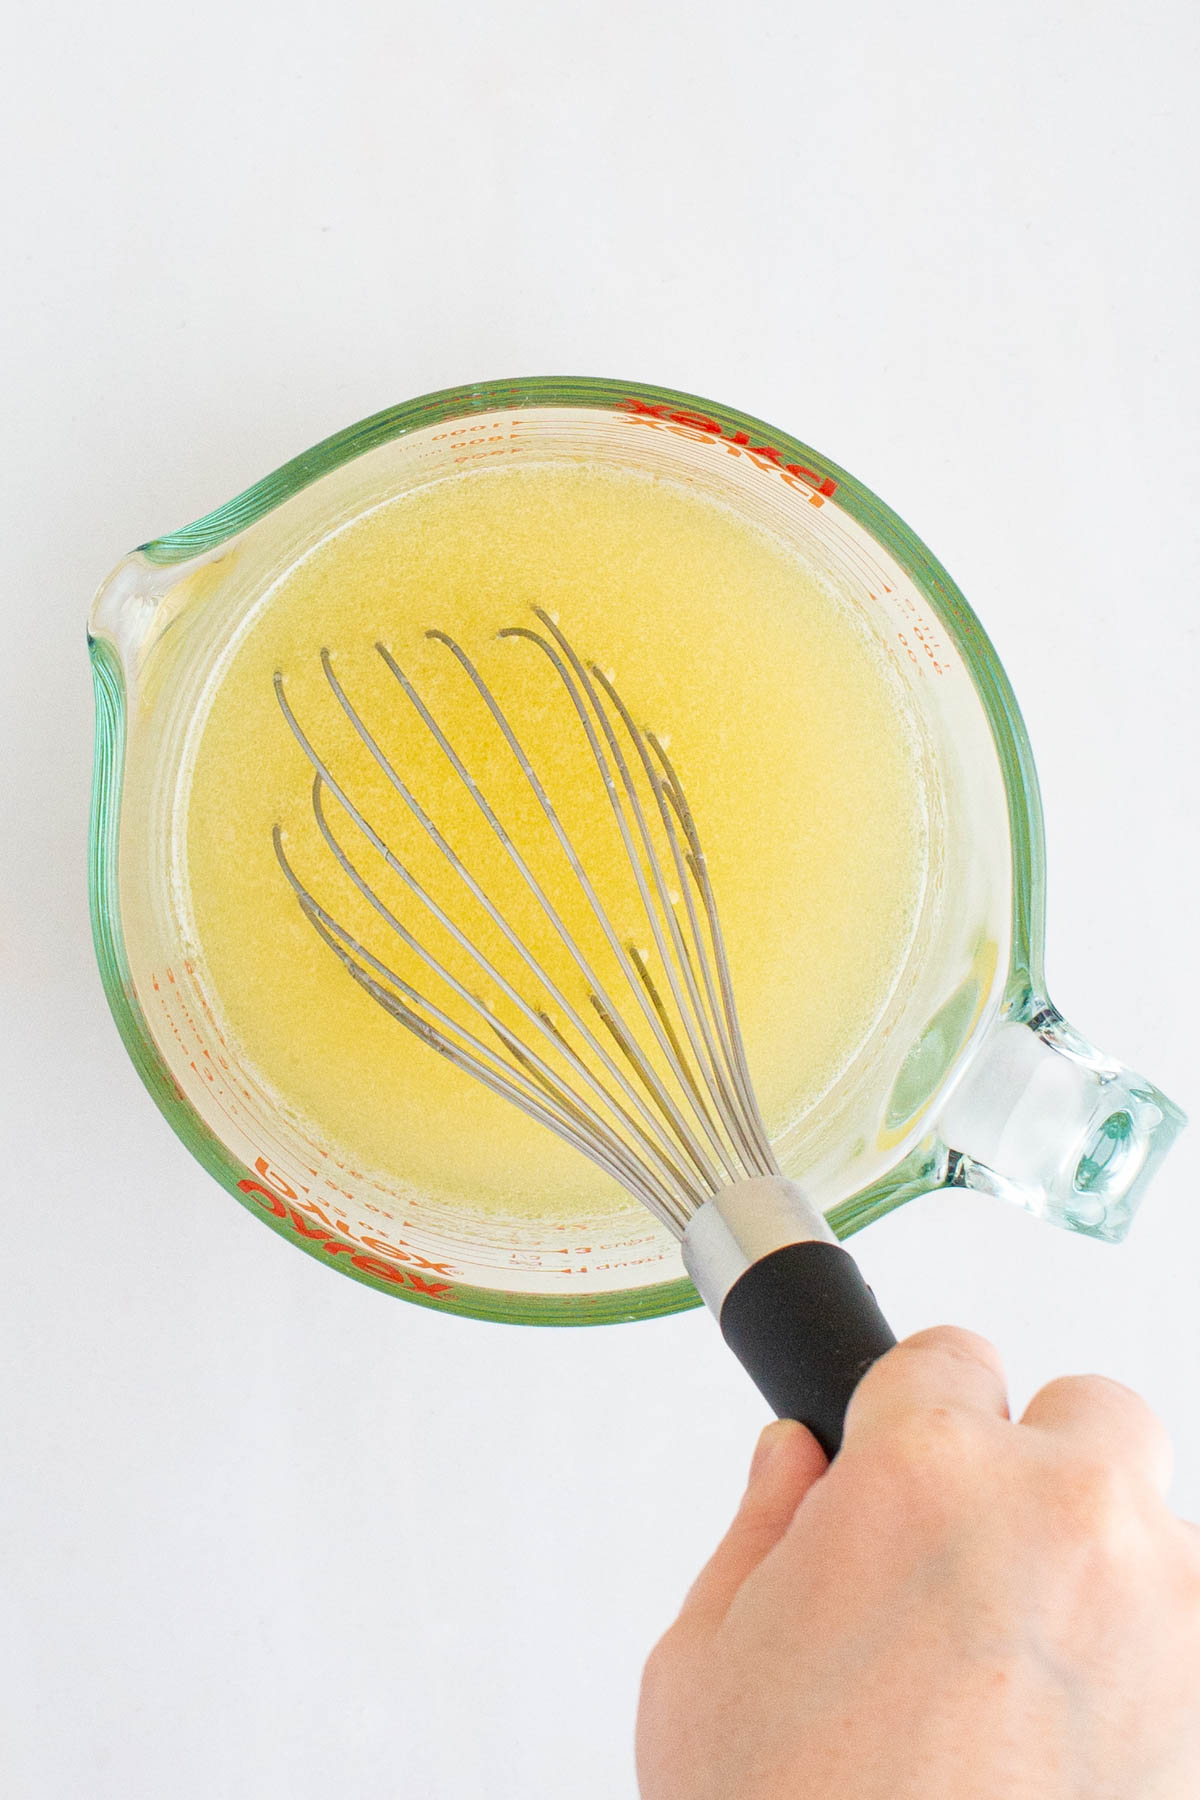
(1107, 1387)
(1092, 1502)
(932, 1455)
(954, 1341)
(1093, 1390)
(1098, 1397)
(939, 1434)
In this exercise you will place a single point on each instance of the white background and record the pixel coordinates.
(267, 1534)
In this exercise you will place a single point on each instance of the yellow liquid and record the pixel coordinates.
(783, 721)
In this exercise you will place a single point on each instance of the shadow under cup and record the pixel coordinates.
(967, 1023)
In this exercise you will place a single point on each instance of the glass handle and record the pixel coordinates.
(1044, 1119)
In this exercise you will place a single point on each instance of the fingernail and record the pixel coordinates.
(771, 1438)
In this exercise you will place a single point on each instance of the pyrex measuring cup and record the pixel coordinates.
(970, 1078)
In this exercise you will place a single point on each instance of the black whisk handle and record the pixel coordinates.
(806, 1327)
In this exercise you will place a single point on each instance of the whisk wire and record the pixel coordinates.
(668, 1042)
(600, 913)
(656, 1141)
(741, 1120)
(732, 1033)
(662, 1100)
(575, 1122)
(673, 1127)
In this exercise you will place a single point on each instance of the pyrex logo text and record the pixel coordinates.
(699, 425)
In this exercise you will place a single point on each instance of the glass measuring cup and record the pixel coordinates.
(969, 1078)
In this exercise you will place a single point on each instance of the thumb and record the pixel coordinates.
(787, 1461)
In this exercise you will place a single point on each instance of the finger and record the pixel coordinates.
(787, 1461)
(1106, 1420)
(940, 1368)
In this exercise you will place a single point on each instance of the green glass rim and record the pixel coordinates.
(921, 1171)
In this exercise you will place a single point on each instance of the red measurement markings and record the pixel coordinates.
(336, 1237)
(334, 1234)
(245, 1122)
(699, 428)
(252, 1091)
(923, 647)
(328, 1236)
(257, 1121)
(482, 437)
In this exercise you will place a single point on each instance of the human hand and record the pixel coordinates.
(957, 1608)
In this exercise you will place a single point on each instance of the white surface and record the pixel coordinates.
(266, 1534)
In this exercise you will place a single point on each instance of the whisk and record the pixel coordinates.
(648, 1076)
